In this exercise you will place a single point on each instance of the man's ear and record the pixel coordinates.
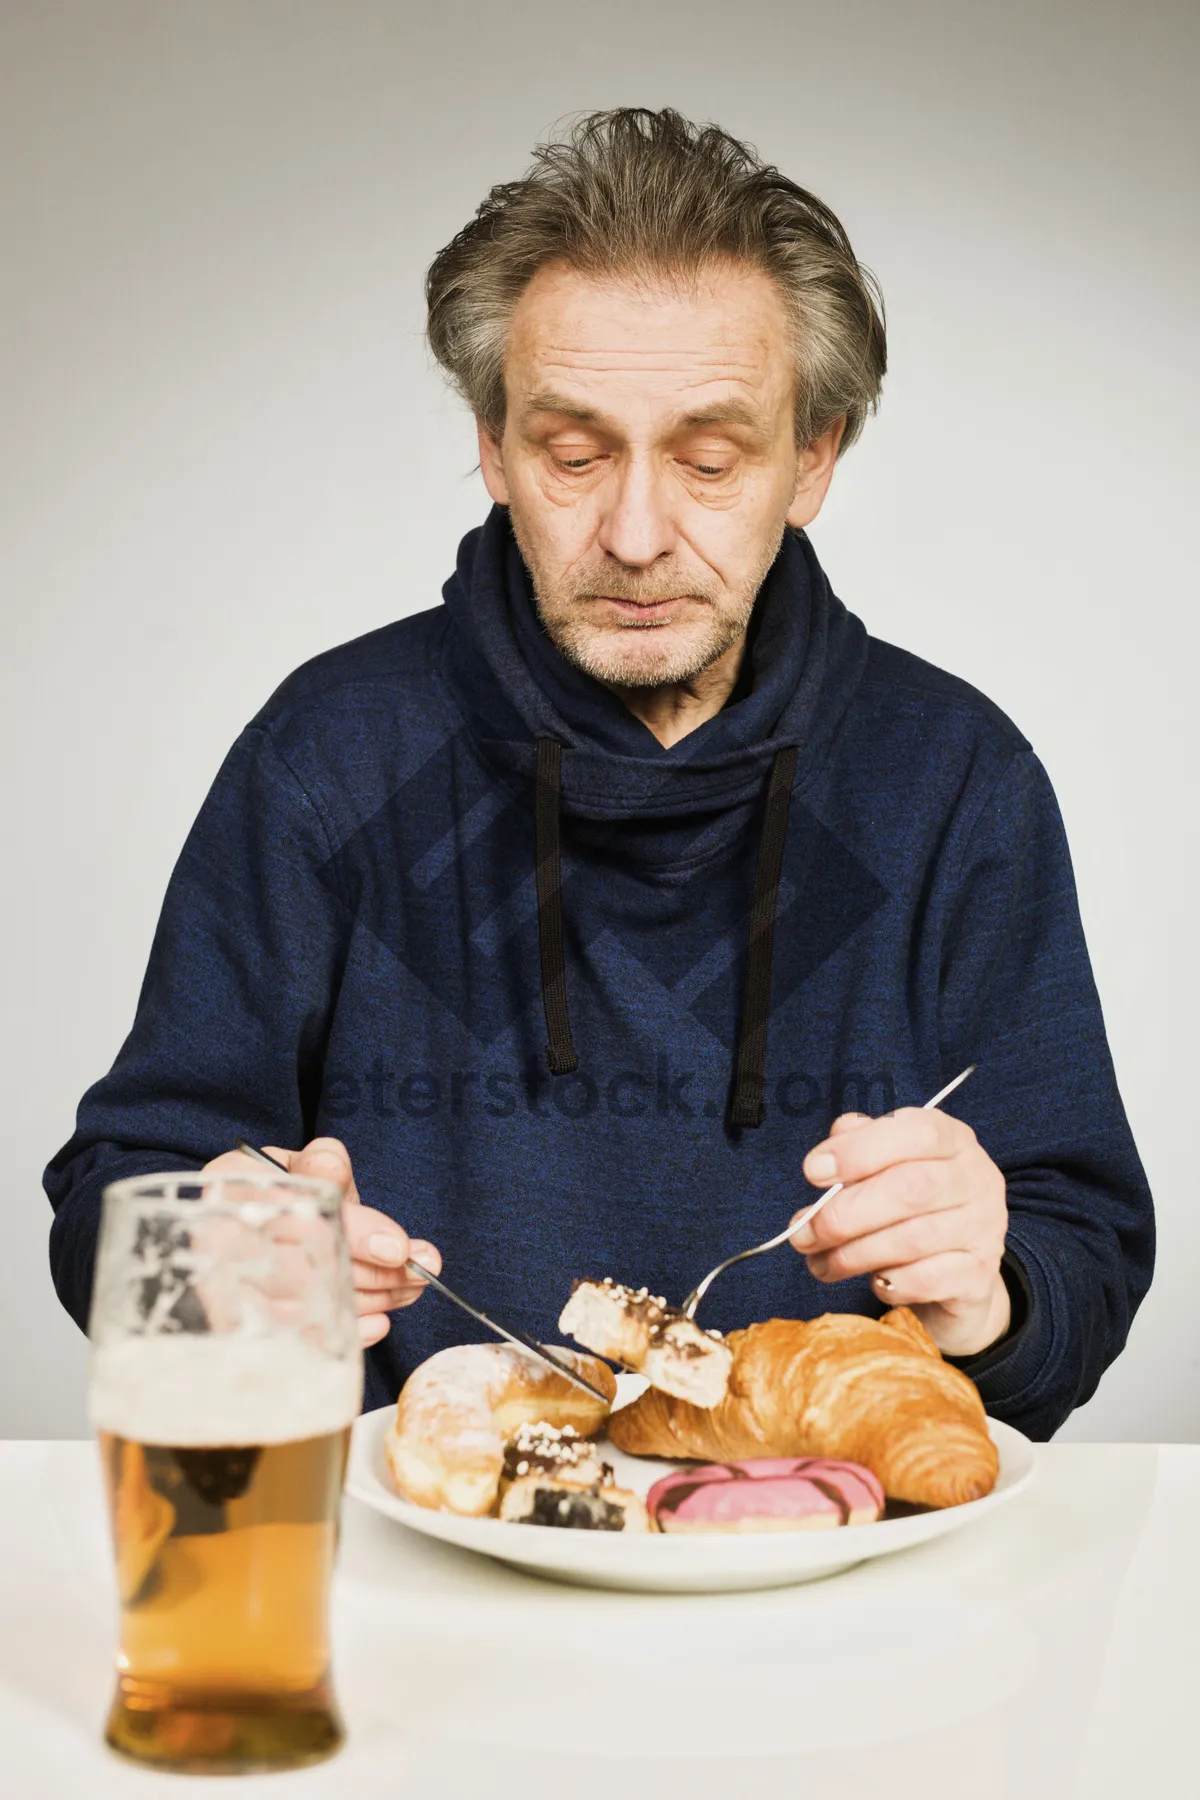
(491, 464)
(814, 472)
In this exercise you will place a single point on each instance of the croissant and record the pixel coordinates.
(869, 1391)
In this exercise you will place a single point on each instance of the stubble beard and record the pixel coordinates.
(629, 653)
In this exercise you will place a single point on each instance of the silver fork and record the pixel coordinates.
(698, 1292)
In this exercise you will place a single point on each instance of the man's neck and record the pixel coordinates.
(676, 708)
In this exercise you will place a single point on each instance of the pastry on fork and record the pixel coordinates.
(634, 1327)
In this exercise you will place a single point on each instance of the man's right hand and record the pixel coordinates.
(379, 1248)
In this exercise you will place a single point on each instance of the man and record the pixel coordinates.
(580, 923)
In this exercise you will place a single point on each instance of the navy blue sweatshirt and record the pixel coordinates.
(349, 946)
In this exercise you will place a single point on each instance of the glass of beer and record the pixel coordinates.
(226, 1371)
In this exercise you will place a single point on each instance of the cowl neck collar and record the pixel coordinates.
(807, 654)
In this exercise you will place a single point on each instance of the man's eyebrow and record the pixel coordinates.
(724, 412)
(546, 400)
(721, 412)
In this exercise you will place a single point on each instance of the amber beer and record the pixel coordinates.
(223, 1454)
(224, 1558)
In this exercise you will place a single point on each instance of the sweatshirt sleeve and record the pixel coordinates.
(1017, 997)
(233, 1011)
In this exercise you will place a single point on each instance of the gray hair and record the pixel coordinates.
(652, 197)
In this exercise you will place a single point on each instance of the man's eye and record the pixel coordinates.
(578, 463)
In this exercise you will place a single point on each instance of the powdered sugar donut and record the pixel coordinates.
(778, 1493)
(456, 1412)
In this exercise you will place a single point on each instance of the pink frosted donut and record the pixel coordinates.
(776, 1493)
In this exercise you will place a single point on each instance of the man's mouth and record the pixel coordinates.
(643, 612)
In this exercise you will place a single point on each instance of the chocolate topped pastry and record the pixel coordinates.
(576, 1512)
(554, 1477)
(543, 1500)
(540, 1449)
(639, 1329)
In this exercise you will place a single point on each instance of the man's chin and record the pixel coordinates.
(635, 658)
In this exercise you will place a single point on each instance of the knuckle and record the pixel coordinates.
(928, 1133)
(919, 1125)
(843, 1263)
(922, 1186)
(908, 1241)
(826, 1227)
(921, 1282)
(941, 1230)
(328, 1143)
(231, 1162)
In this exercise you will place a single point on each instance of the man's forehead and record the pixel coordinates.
(575, 338)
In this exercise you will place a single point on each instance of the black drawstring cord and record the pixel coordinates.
(561, 1057)
(746, 1105)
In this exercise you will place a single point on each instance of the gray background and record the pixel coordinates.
(224, 448)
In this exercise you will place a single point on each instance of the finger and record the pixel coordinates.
(292, 1270)
(372, 1327)
(297, 1240)
(327, 1159)
(369, 1273)
(288, 1311)
(286, 1157)
(372, 1278)
(850, 1121)
(903, 1191)
(427, 1254)
(369, 1278)
(384, 1300)
(388, 1288)
(954, 1277)
(374, 1238)
(394, 1299)
(910, 1241)
(910, 1135)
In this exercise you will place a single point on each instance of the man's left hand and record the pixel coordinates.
(923, 1212)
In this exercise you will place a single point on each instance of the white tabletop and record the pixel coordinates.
(1053, 1650)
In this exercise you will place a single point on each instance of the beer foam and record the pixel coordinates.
(220, 1388)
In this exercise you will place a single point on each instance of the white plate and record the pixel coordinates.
(703, 1563)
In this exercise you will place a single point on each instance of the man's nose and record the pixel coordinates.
(637, 526)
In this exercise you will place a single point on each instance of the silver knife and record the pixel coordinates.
(504, 1331)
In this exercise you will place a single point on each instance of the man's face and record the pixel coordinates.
(649, 464)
